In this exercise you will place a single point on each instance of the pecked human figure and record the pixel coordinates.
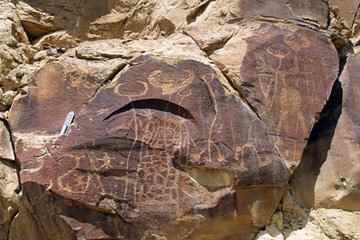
(164, 149)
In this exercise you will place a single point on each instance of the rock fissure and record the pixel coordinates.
(238, 91)
(10, 224)
(354, 17)
(198, 11)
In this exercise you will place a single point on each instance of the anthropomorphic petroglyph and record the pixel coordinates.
(150, 146)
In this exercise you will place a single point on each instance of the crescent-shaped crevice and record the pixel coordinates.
(156, 104)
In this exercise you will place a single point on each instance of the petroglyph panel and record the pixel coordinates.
(139, 148)
(286, 74)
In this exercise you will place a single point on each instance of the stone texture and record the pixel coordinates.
(300, 11)
(189, 116)
(9, 185)
(335, 177)
(271, 233)
(13, 50)
(328, 224)
(310, 232)
(59, 39)
(6, 148)
(156, 163)
(356, 29)
(106, 19)
(312, 11)
(274, 69)
(346, 10)
(11, 31)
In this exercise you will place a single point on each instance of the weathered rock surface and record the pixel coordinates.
(9, 184)
(325, 224)
(346, 10)
(13, 50)
(105, 19)
(335, 176)
(286, 75)
(189, 117)
(305, 10)
(6, 147)
(163, 149)
(271, 233)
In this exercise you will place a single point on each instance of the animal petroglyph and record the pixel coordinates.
(169, 83)
(150, 145)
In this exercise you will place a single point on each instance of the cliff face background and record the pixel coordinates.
(194, 119)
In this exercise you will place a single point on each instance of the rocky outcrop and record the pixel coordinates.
(174, 120)
(162, 149)
(106, 19)
(273, 67)
(335, 175)
(13, 51)
(329, 224)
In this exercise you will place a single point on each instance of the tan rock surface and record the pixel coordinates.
(13, 50)
(106, 19)
(9, 184)
(6, 147)
(338, 184)
(325, 224)
(346, 10)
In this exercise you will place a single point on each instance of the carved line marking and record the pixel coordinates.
(118, 91)
(212, 95)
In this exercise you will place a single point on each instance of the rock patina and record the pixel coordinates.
(163, 150)
(286, 74)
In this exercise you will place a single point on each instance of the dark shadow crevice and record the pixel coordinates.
(315, 153)
(316, 150)
(155, 104)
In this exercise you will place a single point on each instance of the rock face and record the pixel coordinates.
(150, 149)
(335, 176)
(179, 120)
(329, 224)
(106, 19)
(286, 75)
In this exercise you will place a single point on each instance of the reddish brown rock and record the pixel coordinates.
(297, 11)
(286, 74)
(163, 150)
(312, 11)
(335, 175)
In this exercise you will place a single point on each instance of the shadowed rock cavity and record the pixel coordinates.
(163, 150)
(316, 151)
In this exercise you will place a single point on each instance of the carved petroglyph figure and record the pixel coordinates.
(170, 83)
(161, 142)
(140, 90)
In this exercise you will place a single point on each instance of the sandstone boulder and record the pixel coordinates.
(13, 50)
(163, 149)
(335, 174)
(325, 224)
(105, 19)
(6, 147)
(9, 184)
(286, 75)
